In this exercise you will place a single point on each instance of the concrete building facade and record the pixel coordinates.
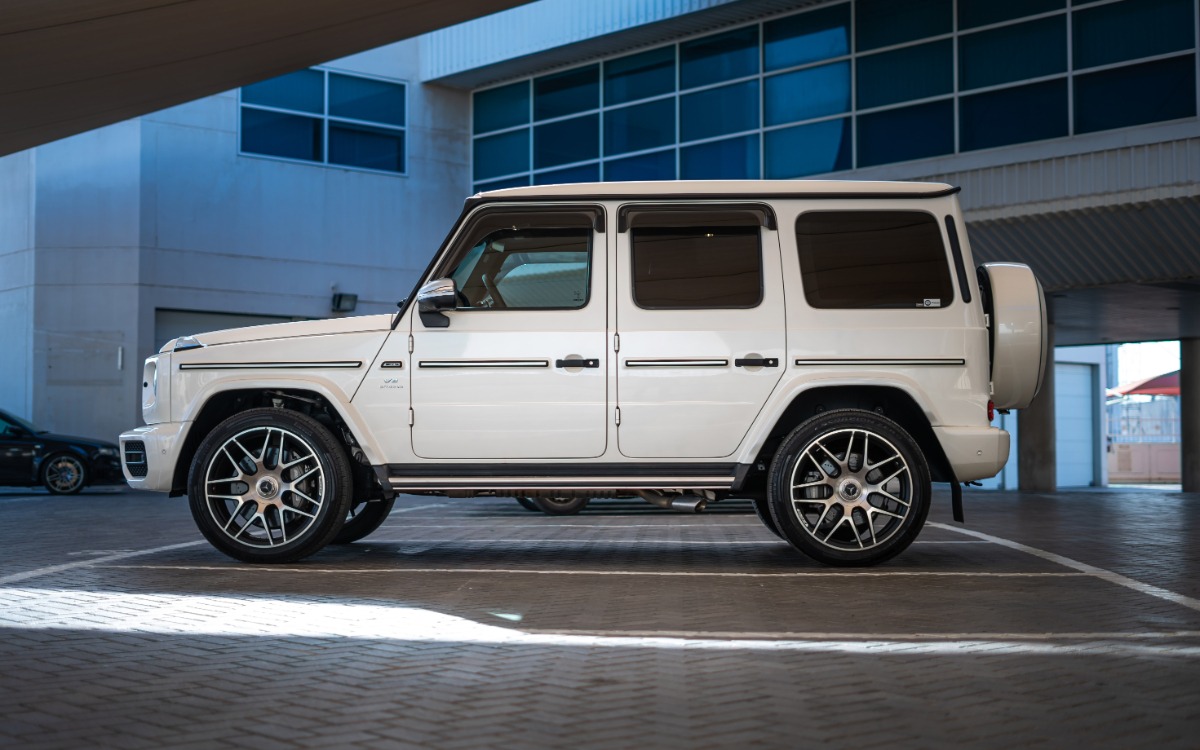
(1072, 128)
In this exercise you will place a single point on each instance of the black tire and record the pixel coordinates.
(277, 476)
(762, 509)
(528, 504)
(64, 474)
(362, 519)
(560, 506)
(866, 484)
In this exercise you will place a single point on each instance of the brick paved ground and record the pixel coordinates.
(1075, 620)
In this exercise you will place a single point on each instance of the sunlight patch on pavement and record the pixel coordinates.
(278, 617)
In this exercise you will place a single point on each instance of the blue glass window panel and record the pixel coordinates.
(988, 58)
(906, 134)
(730, 159)
(808, 149)
(277, 134)
(503, 107)
(507, 182)
(366, 147)
(882, 23)
(1150, 92)
(639, 76)
(808, 93)
(585, 173)
(906, 74)
(713, 112)
(806, 37)
(656, 166)
(640, 127)
(563, 142)
(506, 153)
(720, 57)
(1131, 29)
(366, 99)
(566, 93)
(972, 13)
(1016, 115)
(303, 90)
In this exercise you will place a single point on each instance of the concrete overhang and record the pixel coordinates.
(74, 65)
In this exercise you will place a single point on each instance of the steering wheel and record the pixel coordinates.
(493, 292)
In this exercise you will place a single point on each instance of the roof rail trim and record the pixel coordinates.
(480, 198)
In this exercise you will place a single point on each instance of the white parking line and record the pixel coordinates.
(38, 572)
(655, 573)
(789, 635)
(1091, 570)
(589, 527)
(663, 542)
(418, 507)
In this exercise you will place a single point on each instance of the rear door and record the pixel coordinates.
(700, 325)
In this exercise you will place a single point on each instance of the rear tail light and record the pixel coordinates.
(991, 410)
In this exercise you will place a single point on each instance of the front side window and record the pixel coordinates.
(873, 259)
(328, 118)
(696, 267)
(546, 266)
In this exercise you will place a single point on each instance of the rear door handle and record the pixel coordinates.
(588, 363)
(756, 362)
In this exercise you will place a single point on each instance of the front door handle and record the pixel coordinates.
(588, 363)
(756, 362)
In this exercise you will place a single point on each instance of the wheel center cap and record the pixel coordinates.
(850, 490)
(268, 487)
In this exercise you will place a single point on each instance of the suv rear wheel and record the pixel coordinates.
(849, 487)
(270, 485)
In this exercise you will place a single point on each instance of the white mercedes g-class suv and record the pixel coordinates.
(825, 349)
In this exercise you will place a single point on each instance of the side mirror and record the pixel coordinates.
(433, 298)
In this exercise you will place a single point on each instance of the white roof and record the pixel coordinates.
(717, 188)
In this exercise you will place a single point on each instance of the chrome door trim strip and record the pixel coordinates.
(676, 363)
(456, 364)
(342, 365)
(948, 362)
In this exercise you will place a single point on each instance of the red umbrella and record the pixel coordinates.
(1166, 384)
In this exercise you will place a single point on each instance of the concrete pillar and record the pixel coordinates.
(1037, 458)
(1189, 412)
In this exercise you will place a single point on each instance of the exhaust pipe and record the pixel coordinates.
(680, 503)
(688, 504)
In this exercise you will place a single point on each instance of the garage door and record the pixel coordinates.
(170, 324)
(1075, 414)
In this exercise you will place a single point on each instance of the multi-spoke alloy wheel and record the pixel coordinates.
(269, 485)
(64, 475)
(849, 488)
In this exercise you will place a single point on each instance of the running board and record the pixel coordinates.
(502, 477)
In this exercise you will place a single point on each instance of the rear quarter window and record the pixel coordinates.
(873, 259)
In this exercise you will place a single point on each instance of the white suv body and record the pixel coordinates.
(684, 341)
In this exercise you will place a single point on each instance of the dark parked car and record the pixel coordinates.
(62, 464)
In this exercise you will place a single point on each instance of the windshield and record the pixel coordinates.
(8, 419)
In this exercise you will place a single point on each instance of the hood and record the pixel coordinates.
(50, 437)
(356, 324)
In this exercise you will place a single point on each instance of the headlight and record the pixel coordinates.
(107, 452)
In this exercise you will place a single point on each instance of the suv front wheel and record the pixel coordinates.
(849, 487)
(270, 486)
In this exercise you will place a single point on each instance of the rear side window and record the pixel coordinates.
(696, 267)
(873, 259)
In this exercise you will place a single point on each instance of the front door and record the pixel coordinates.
(700, 320)
(519, 370)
